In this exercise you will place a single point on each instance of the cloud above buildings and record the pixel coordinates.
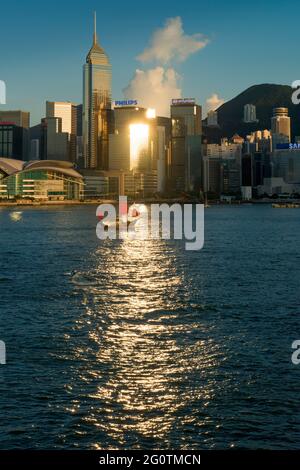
(171, 43)
(155, 87)
(214, 102)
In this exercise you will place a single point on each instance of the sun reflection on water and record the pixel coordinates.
(140, 352)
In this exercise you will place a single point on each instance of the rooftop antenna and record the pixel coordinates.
(95, 28)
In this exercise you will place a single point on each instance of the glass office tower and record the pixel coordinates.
(186, 155)
(97, 114)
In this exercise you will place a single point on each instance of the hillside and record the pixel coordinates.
(265, 97)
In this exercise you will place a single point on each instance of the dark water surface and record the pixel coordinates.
(140, 344)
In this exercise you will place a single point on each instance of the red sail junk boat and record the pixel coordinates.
(125, 216)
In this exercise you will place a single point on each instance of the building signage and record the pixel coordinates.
(125, 103)
(286, 146)
(294, 146)
(179, 101)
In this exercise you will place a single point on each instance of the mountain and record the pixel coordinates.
(265, 97)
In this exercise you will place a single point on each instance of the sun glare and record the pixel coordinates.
(139, 138)
(151, 113)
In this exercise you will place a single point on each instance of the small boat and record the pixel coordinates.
(126, 219)
(285, 205)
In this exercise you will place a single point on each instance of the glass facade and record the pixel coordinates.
(6, 141)
(41, 184)
(13, 141)
(186, 146)
(97, 114)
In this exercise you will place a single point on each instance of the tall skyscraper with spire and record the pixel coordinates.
(96, 113)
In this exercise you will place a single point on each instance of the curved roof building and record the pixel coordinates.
(42, 179)
(8, 166)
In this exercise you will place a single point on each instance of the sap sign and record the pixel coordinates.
(125, 103)
(294, 146)
(286, 146)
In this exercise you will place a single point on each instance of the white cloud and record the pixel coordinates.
(154, 88)
(170, 42)
(214, 102)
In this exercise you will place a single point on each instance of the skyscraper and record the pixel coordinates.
(247, 176)
(57, 142)
(67, 112)
(138, 149)
(186, 158)
(14, 134)
(13, 141)
(97, 114)
(19, 118)
(281, 126)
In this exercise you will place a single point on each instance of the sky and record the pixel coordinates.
(193, 49)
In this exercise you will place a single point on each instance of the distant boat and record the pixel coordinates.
(285, 205)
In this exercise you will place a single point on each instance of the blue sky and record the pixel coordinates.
(43, 46)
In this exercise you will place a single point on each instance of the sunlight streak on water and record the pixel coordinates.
(137, 285)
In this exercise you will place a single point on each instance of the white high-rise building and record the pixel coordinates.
(63, 110)
(212, 118)
(250, 113)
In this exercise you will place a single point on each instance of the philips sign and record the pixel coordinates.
(125, 103)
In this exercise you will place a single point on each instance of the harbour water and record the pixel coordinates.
(141, 344)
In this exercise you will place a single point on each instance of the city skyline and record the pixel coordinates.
(122, 48)
(174, 154)
(149, 276)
